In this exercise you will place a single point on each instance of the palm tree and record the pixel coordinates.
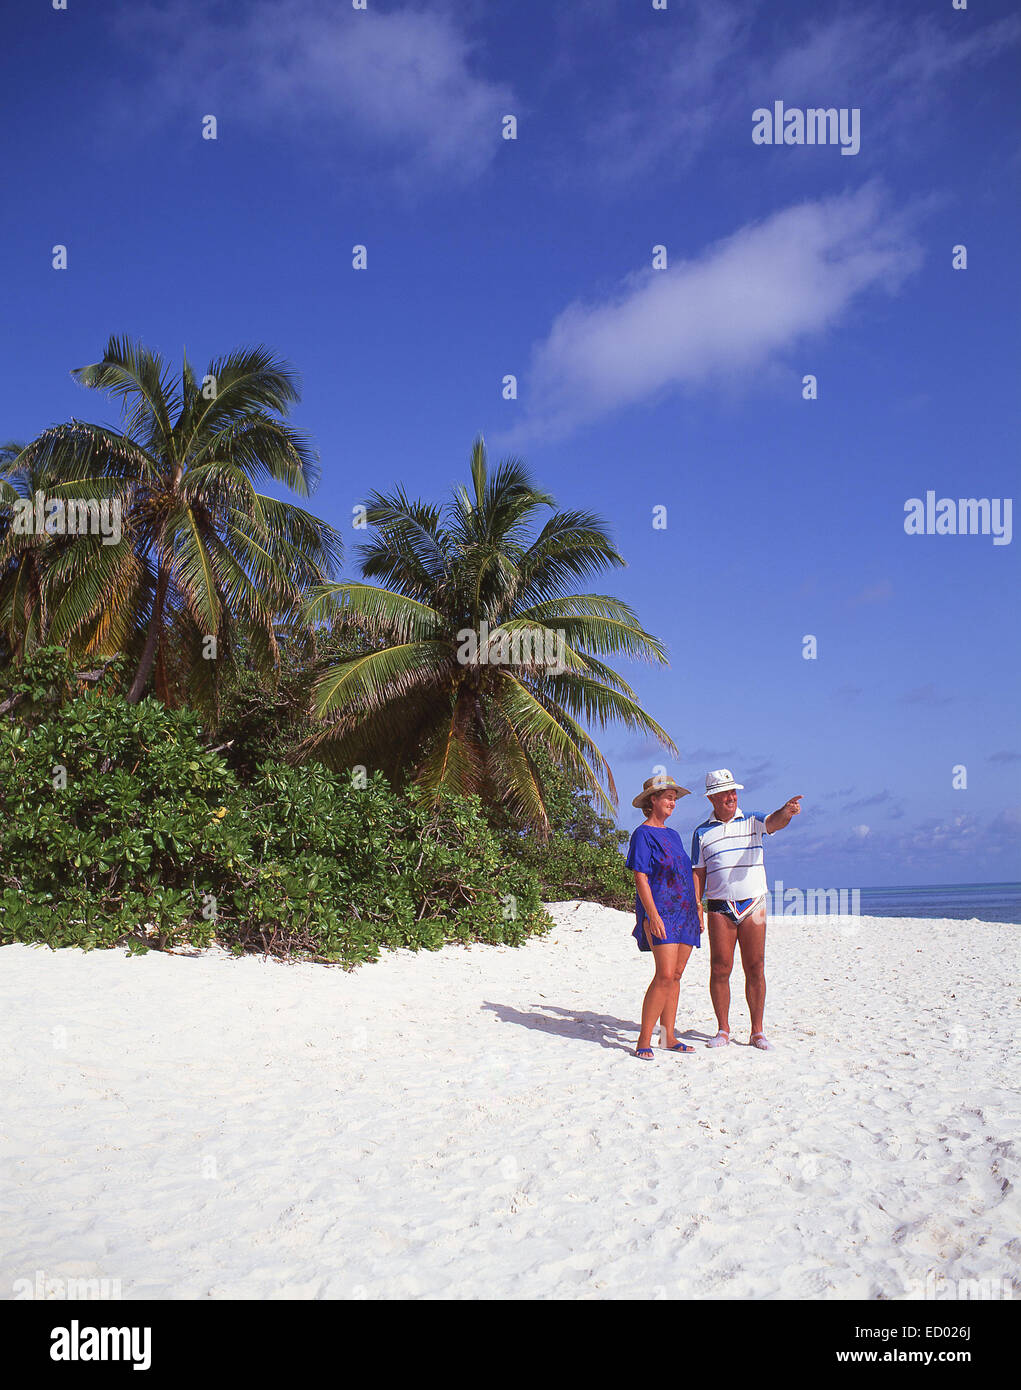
(22, 558)
(203, 554)
(422, 705)
(56, 587)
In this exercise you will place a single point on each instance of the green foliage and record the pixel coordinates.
(265, 721)
(484, 658)
(582, 856)
(121, 827)
(47, 680)
(570, 869)
(201, 552)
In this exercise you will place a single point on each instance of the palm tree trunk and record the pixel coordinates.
(159, 679)
(39, 598)
(152, 638)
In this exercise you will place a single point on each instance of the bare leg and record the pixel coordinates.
(751, 935)
(722, 940)
(658, 993)
(669, 1014)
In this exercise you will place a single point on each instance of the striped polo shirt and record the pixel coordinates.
(731, 854)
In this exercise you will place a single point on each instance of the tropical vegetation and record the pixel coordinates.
(206, 733)
(473, 718)
(204, 561)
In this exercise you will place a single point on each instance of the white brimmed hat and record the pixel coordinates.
(722, 780)
(652, 785)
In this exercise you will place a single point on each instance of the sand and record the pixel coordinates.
(471, 1123)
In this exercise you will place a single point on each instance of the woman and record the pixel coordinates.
(667, 909)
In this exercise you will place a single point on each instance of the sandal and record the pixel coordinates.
(646, 1053)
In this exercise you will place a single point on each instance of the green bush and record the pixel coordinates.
(581, 857)
(570, 869)
(121, 827)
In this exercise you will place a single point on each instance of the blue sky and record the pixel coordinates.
(637, 387)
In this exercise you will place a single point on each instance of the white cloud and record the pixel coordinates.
(960, 843)
(402, 83)
(742, 303)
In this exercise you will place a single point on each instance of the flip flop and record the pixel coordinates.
(678, 1047)
(646, 1053)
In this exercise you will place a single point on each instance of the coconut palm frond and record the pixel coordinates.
(486, 713)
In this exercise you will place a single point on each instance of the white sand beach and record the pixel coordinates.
(472, 1123)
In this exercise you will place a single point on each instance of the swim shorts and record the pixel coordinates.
(736, 911)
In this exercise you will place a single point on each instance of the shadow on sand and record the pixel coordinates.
(617, 1033)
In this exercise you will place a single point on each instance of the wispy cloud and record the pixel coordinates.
(639, 750)
(925, 695)
(952, 835)
(668, 92)
(884, 798)
(744, 302)
(695, 762)
(880, 57)
(684, 88)
(964, 840)
(403, 85)
(1005, 757)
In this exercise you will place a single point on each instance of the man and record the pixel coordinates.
(728, 868)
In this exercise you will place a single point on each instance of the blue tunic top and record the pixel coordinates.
(659, 853)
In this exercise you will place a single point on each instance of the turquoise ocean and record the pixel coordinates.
(989, 902)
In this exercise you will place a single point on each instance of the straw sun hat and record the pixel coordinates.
(652, 785)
